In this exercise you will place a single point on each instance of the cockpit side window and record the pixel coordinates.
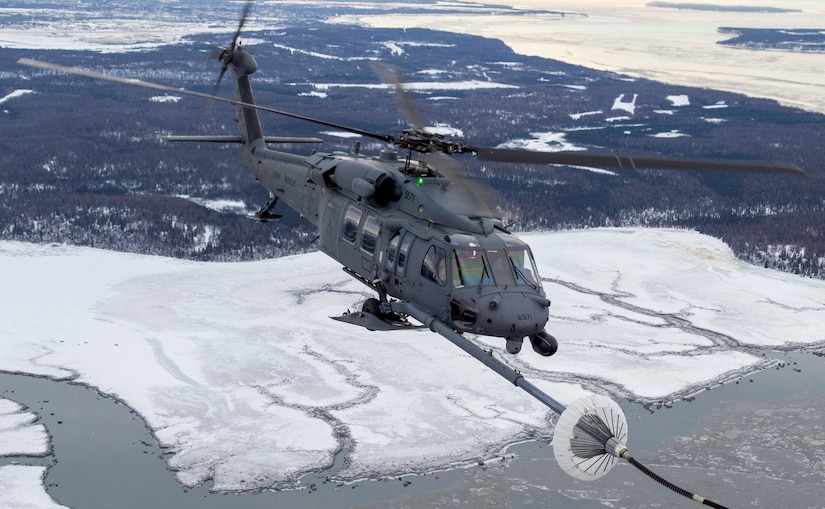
(434, 267)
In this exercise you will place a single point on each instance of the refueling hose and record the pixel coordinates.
(667, 484)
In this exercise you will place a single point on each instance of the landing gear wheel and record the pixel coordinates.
(514, 345)
(372, 306)
(544, 344)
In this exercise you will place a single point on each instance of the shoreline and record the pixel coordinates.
(657, 437)
(669, 45)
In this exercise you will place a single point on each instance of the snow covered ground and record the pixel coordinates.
(82, 28)
(21, 486)
(18, 433)
(239, 370)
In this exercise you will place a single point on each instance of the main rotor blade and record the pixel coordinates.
(618, 161)
(483, 153)
(470, 197)
(176, 90)
(392, 74)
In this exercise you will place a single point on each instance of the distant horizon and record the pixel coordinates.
(673, 45)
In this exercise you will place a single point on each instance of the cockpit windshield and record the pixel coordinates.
(480, 267)
(524, 267)
(470, 268)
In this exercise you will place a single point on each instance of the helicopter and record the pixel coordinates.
(412, 226)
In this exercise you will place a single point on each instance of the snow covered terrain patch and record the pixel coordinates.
(621, 104)
(15, 94)
(577, 116)
(18, 433)
(240, 372)
(165, 98)
(673, 133)
(444, 130)
(22, 486)
(543, 142)
(719, 105)
(220, 205)
(421, 86)
(88, 27)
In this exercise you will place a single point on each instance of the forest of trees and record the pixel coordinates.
(82, 162)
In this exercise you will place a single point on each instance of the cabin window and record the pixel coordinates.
(369, 235)
(524, 267)
(403, 251)
(392, 250)
(472, 268)
(350, 227)
(434, 267)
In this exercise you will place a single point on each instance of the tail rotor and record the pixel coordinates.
(227, 55)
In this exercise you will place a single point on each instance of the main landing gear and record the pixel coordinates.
(543, 343)
(372, 306)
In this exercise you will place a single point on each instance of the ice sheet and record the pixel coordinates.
(21, 487)
(19, 435)
(239, 370)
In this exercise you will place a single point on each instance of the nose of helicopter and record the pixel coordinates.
(511, 314)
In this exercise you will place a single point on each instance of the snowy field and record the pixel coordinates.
(82, 28)
(21, 486)
(238, 369)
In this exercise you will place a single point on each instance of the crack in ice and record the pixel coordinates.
(341, 431)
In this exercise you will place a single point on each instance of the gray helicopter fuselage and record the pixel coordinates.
(389, 222)
(397, 226)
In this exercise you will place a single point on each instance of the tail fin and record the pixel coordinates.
(244, 64)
